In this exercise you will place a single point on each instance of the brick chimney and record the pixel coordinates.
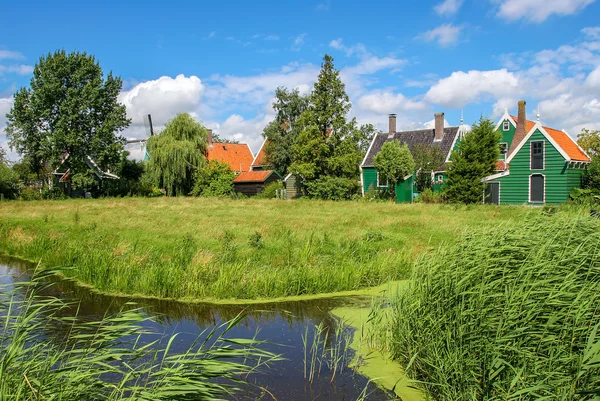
(210, 141)
(521, 130)
(439, 126)
(392, 131)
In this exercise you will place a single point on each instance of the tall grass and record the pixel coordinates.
(197, 248)
(47, 354)
(511, 313)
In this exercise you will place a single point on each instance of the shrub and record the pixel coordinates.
(270, 190)
(255, 240)
(214, 179)
(54, 193)
(429, 196)
(376, 195)
(585, 196)
(9, 183)
(333, 188)
(30, 194)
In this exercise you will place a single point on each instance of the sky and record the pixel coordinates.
(221, 61)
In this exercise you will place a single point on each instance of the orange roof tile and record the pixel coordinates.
(259, 160)
(501, 165)
(237, 155)
(253, 176)
(567, 144)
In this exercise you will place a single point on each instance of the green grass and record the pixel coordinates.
(190, 248)
(47, 354)
(511, 313)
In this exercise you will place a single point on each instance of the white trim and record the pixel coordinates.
(505, 125)
(580, 148)
(407, 177)
(250, 153)
(505, 116)
(362, 183)
(387, 185)
(529, 196)
(536, 127)
(496, 176)
(369, 150)
(286, 177)
(543, 156)
(452, 147)
(261, 147)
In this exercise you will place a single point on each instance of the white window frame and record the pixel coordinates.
(529, 196)
(543, 156)
(506, 125)
(506, 153)
(387, 182)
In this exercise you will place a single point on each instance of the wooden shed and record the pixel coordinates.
(251, 183)
(293, 187)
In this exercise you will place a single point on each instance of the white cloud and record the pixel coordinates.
(16, 69)
(385, 102)
(462, 88)
(5, 105)
(448, 7)
(358, 48)
(538, 10)
(10, 55)
(298, 41)
(445, 35)
(593, 80)
(592, 32)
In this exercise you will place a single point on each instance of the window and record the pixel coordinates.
(503, 149)
(537, 155)
(381, 182)
(537, 188)
(505, 126)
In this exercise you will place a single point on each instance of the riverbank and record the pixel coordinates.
(214, 249)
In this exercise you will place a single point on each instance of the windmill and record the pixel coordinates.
(149, 133)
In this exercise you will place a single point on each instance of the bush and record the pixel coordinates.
(376, 195)
(429, 196)
(214, 179)
(585, 196)
(333, 188)
(30, 194)
(270, 190)
(54, 193)
(509, 313)
(9, 183)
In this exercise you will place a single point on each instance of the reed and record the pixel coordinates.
(325, 347)
(510, 313)
(46, 353)
(191, 248)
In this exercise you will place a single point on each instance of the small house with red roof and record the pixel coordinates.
(538, 164)
(237, 155)
(250, 183)
(260, 160)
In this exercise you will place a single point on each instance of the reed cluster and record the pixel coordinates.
(510, 313)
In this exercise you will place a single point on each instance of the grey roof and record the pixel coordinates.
(413, 138)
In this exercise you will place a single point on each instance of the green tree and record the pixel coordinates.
(3, 157)
(9, 183)
(394, 162)
(281, 133)
(214, 179)
(474, 159)
(428, 158)
(176, 154)
(328, 144)
(218, 139)
(70, 107)
(589, 140)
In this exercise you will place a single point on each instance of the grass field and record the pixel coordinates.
(190, 248)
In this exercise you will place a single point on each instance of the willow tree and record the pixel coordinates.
(176, 154)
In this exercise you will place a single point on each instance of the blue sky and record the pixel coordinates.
(221, 62)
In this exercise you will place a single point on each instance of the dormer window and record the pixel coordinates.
(505, 126)
(503, 149)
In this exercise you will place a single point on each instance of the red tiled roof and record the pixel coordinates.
(253, 176)
(237, 155)
(259, 160)
(567, 144)
(501, 165)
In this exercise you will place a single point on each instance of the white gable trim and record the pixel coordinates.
(496, 176)
(539, 127)
(369, 150)
(362, 183)
(580, 148)
(453, 144)
(259, 150)
(504, 117)
(287, 176)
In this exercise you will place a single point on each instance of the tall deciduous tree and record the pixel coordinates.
(394, 162)
(329, 145)
(282, 132)
(474, 159)
(71, 107)
(176, 154)
(428, 158)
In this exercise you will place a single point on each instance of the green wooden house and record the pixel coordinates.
(538, 164)
(443, 137)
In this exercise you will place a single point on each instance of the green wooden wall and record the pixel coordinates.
(514, 188)
(404, 190)
(507, 136)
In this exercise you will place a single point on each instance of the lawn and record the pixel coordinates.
(199, 248)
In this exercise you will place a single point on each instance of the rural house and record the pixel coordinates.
(237, 155)
(538, 164)
(62, 176)
(443, 137)
(253, 182)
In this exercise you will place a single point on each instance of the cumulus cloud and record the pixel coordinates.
(16, 69)
(462, 88)
(448, 7)
(385, 102)
(538, 10)
(10, 55)
(445, 35)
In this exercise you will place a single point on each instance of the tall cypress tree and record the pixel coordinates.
(474, 159)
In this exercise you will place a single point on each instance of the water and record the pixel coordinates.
(281, 324)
